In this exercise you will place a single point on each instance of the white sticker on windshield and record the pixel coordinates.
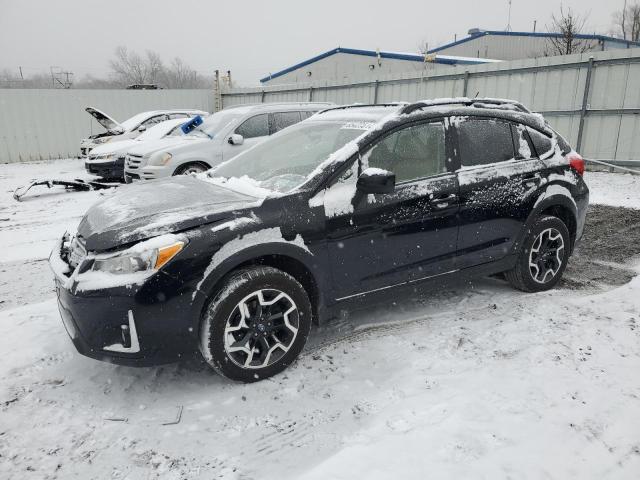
(357, 126)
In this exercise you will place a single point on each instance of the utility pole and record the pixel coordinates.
(508, 29)
(217, 94)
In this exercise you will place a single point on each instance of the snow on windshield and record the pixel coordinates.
(288, 158)
(131, 123)
(161, 129)
(216, 122)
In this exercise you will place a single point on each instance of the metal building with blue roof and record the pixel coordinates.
(350, 64)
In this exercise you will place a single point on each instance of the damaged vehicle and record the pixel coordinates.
(355, 204)
(130, 128)
(107, 161)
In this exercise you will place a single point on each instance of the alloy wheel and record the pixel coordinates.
(261, 328)
(546, 255)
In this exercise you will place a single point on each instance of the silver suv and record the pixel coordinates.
(219, 138)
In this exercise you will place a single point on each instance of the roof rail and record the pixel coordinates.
(469, 102)
(362, 105)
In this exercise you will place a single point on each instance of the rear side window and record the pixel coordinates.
(411, 153)
(282, 120)
(257, 126)
(306, 114)
(541, 142)
(173, 116)
(484, 141)
(524, 148)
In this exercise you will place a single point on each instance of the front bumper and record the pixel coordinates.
(148, 172)
(136, 325)
(109, 169)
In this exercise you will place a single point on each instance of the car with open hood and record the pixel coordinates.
(220, 137)
(355, 204)
(130, 128)
(107, 160)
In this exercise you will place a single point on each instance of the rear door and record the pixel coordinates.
(498, 175)
(405, 236)
(280, 120)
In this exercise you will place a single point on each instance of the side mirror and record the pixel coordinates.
(376, 180)
(142, 128)
(236, 139)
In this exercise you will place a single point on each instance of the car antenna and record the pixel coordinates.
(477, 93)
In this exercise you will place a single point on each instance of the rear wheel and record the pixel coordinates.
(256, 325)
(543, 258)
(191, 168)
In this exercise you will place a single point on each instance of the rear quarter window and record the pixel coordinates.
(484, 141)
(541, 142)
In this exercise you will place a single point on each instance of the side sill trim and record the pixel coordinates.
(408, 282)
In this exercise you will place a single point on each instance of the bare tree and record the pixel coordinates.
(131, 68)
(567, 26)
(627, 22)
(179, 75)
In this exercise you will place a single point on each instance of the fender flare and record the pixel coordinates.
(553, 195)
(224, 262)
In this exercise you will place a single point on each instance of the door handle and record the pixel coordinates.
(443, 201)
(532, 180)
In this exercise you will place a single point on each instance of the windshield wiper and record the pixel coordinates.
(199, 129)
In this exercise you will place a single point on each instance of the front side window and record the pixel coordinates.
(283, 120)
(484, 141)
(411, 153)
(253, 127)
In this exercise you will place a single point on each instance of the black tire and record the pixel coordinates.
(224, 310)
(189, 168)
(527, 277)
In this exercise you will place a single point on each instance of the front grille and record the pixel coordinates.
(133, 161)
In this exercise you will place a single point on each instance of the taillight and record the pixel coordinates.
(576, 162)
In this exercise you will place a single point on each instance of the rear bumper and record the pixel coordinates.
(111, 169)
(135, 325)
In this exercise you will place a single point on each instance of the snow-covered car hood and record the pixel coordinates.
(147, 148)
(120, 146)
(140, 211)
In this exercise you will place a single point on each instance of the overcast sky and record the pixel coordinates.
(252, 38)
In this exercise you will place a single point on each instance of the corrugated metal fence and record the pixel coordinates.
(592, 99)
(42, 124)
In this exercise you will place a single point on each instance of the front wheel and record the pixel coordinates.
(543, 258)
(256, 325)
(191, 168)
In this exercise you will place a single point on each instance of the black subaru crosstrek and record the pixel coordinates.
(352, 203)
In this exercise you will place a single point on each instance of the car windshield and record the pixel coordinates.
(131, 123)
(284, 161)
(160, 130)
(216, 122)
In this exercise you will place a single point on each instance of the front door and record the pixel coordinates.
(383, 240)
(253, 130)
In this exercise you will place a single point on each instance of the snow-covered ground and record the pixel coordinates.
(477, 381)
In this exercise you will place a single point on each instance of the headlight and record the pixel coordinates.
(105, 157)
(102, 140)
(160, 158)
(137, 259)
